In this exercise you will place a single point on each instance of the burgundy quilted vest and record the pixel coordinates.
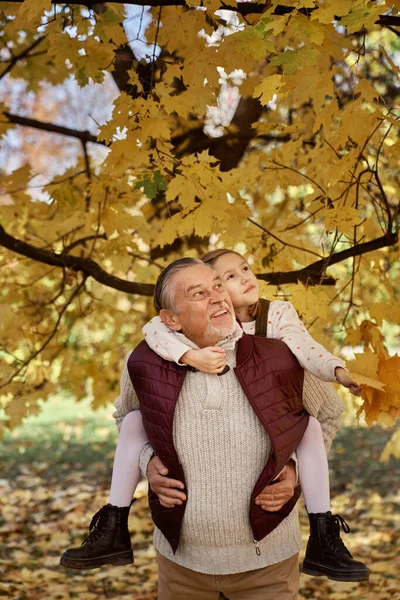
(272, 380)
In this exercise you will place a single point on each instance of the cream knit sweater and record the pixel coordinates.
(223, 448)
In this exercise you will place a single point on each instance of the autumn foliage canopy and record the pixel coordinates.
(269, 127)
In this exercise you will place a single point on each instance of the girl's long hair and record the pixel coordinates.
(211, 257)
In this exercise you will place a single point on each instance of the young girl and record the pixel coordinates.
(109, 541)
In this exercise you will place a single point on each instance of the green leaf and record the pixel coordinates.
(292, 61)
(151, 187)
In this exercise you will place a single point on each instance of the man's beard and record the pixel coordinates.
(222, 331)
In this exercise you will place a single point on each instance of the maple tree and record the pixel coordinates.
(302, 177)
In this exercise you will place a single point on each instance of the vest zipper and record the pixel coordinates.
(258, 551)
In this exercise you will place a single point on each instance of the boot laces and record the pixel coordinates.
(337, 542)
(95, 528)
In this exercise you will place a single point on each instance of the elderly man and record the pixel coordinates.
(222, 439)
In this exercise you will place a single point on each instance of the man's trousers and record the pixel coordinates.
(275, 582)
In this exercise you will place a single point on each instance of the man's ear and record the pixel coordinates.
(170, 319)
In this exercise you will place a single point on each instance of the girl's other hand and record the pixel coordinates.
(344, 378)
(211, 359)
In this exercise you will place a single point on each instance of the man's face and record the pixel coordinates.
(204, 309)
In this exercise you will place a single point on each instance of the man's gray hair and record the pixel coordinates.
(163, 292)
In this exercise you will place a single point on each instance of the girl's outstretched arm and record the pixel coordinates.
(284, 324)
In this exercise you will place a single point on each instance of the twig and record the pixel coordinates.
(51, 336)
(24, 54)
(281, 241)
(67, 249)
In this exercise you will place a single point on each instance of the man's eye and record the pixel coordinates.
(218, 286)
(197, 294)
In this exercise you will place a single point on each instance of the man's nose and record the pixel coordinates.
(215, 296)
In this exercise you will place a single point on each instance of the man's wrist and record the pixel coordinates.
(146, 454)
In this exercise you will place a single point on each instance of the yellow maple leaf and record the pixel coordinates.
(365, 364)
(268, 87)
(361, 15)
(254, 42)
(371, 335)
(310, 302)
(381, 405)
(16, 410)
(368, 92)
(353, 337)
(326, 116)
(30, 13)
(368, 381)
(191, 100)
(383, 311)
(302, 28)
(184, 187)
(389, 373)
(341, 218)
(325, 14)
(154, 127)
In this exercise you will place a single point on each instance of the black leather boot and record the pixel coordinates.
(108, 543)
(326, 553)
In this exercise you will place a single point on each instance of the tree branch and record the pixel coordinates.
(86, 266)
(313, 274)
(83, 136)
(228, 148)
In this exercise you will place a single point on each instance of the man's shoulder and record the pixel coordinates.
(142, 352)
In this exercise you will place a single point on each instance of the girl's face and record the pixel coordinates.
(238, 279)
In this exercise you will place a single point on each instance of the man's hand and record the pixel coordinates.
(344, 378)
(166, 489)
(275, 495)
(211, 359)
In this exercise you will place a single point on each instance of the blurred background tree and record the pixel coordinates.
(133, 135)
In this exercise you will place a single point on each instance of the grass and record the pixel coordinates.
(65, 432)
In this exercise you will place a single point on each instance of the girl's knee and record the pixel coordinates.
(132, 423)
(313, 427)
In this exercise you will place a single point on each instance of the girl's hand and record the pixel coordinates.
(209, 360)
(344, 378)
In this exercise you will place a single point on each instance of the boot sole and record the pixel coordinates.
(319, 571)
(120, 559)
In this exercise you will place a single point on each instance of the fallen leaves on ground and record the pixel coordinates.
(48, 498)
